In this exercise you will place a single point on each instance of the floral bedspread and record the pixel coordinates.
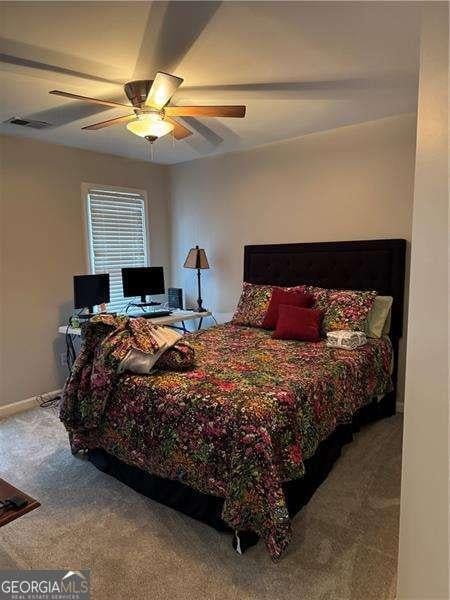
(242, 421)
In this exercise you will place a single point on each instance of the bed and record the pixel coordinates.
(242, 441)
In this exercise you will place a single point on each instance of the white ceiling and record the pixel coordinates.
(300, 67)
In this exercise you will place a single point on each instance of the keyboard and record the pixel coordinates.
(155, 314)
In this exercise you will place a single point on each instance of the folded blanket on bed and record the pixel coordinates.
(111, 346)
(142, 361)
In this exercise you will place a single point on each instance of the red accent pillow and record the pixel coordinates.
(287, 297)
(298, 323)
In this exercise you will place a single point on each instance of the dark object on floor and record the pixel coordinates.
(49, 402)
(208, 508)
(14, 503)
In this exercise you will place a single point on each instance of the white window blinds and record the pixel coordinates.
(117, 232)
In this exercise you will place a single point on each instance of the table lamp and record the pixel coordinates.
(196, 259)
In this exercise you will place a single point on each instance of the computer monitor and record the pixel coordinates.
(143, 281)
(90, 290)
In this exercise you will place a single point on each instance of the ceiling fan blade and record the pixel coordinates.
(179, 131)
(88, 99)
(205, 111)
(331, 89)
(110, 122)
(163, 88)
(171, 30)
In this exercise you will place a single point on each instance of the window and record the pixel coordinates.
(116, 222)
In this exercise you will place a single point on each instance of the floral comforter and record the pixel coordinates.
(242, 421)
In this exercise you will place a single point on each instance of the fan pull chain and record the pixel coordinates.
(149, 151)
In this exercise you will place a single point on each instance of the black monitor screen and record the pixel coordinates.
(142, 281)
(90, 290)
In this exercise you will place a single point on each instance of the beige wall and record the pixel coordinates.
(424, 553)
(351, 183)
(43, 245)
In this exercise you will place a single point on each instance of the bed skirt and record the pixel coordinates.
(208, 509)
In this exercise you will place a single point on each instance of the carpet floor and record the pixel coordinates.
(344, 541)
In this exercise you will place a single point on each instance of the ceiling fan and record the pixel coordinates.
(152, 117)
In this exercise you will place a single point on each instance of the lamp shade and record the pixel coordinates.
(196, 259)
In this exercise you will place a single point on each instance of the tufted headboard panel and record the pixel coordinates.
(359, 265)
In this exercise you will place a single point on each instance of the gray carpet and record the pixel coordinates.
(344, 546)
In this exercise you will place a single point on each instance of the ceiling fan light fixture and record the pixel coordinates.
(153, 116)
(150, 125)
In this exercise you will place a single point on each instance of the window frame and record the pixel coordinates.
(86, 188)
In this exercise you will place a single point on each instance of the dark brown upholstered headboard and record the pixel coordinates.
(362, 265)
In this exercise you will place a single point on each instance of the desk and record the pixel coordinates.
(177, 316)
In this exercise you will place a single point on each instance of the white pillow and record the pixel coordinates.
(378, 322)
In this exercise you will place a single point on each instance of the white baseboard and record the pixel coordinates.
(17, 407)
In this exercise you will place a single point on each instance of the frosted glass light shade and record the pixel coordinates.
(150, 125)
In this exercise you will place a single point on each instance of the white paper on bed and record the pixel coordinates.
(346, 339)
(140, 362)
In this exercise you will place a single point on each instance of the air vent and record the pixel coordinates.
(28, 123)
